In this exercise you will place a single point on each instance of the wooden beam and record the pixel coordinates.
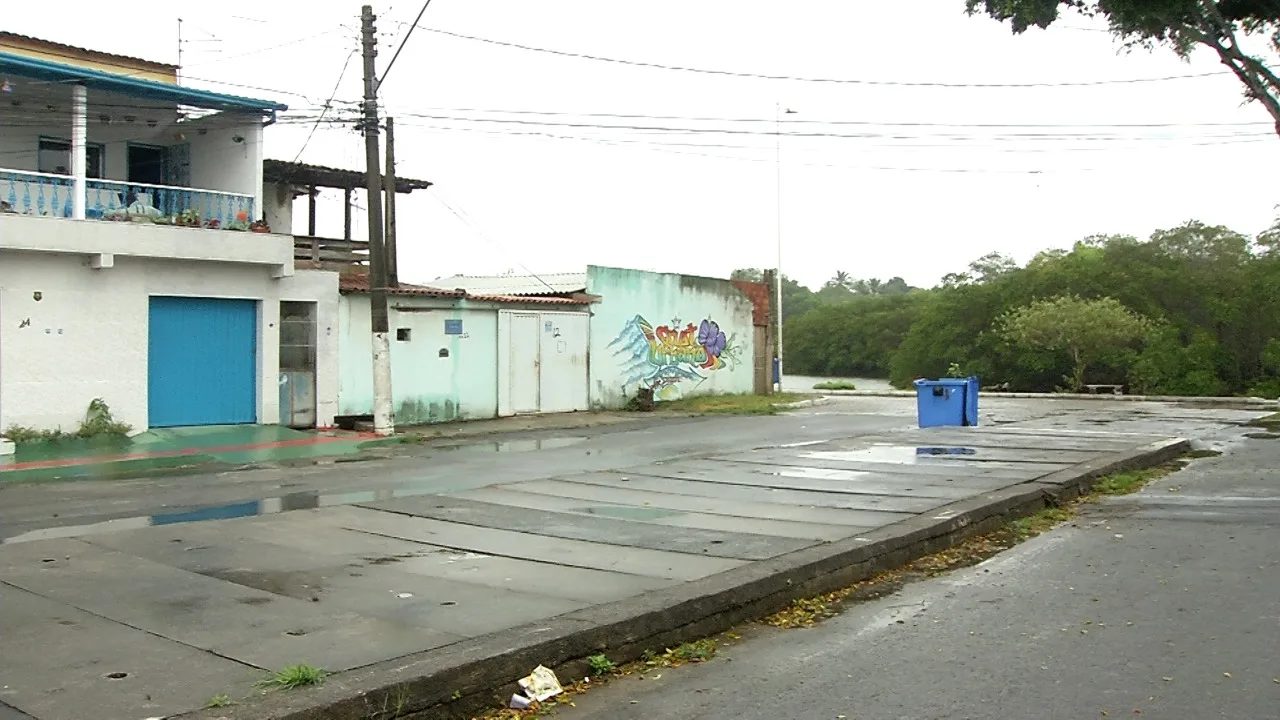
(346, 214)
(311, 211)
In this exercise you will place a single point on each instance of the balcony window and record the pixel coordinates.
(55, 158)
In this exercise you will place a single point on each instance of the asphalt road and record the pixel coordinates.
(1164, 604)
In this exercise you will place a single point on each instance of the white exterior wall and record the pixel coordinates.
(217, 162)
(647, 330)
(277, 207)
(85, 336)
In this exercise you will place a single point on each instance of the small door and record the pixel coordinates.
(202, 362)
(563, 362)
(525, 359)
(298, 364)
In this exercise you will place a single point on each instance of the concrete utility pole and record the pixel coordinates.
(383, 420)
(393, 258)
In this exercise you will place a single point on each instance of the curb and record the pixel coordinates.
(812, 402)
(477, 675)
(1192, 400)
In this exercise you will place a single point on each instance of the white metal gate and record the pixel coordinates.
(542, 362)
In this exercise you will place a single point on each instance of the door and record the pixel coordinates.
(563, 362)
(298, 364)
(525, 358)
(202, 362)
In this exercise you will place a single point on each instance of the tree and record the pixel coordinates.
(841, 279)
(1084, 329)
(1182, 25)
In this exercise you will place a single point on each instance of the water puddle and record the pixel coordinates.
(897, 454)
(818, 473)
(553, 443)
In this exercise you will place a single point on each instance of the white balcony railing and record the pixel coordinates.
(42, 194)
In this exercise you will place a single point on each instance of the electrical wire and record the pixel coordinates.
(413, 26)
(796, 78)
(342, 74)
(464, 218)
(810, 121)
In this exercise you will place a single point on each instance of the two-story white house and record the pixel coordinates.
(133, 264)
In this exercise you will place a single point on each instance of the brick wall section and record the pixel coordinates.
(759, 294)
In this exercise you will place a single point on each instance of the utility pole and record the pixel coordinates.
(393, 264)
(383, 421)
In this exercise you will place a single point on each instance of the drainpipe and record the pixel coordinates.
(79, 139)
(271, 120)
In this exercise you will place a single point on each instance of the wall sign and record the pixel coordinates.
(452, 327)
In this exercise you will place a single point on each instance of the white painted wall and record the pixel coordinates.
(85, 336)
(635, 302)
(277, 207)
(217, 162)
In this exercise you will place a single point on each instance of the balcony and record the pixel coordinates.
(49, 195)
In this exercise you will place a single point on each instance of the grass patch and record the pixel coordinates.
(98, 422)
(1127, 483)
(1270, 423)
(835, 385)
(601, 665)
(293, 676)
(218, 701)
(731, 404)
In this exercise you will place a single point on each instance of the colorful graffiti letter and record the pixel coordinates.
(662, 357)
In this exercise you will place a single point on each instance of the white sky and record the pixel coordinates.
(888, 202)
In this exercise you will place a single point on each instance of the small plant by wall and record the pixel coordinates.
(98, 422)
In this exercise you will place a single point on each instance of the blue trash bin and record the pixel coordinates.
(947, 402)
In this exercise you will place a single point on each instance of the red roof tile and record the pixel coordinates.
(351, 282)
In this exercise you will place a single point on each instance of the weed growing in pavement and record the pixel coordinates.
(293, 676)
(218, 701)
(601, 665)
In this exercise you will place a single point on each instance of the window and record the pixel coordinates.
(55, 158)
(403, 334)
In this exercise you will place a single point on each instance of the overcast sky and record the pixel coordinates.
(885, 176)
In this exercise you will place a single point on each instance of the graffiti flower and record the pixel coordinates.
(712, 338)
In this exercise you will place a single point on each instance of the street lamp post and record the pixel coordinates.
(777, 136)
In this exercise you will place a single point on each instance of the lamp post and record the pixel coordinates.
(777, 136)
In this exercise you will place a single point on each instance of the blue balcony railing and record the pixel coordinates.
(48, 195)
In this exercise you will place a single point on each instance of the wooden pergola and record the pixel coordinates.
(307, 179)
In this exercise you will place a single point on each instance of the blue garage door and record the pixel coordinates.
(202, 362)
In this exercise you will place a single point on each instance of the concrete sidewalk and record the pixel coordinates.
(435, 593)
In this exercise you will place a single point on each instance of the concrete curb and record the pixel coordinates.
(811, 402)
(477, 675)
(1207, 401)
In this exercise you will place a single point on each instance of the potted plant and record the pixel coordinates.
(213, 223)
(259, 226)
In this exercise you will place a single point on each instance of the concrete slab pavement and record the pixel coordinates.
(389, 583)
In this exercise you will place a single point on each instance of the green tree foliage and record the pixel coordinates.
(1181, 25)
(1211, 294)
(1086, 330)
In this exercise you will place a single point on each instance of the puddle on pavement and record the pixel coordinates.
(554, 443)
(818, 473)
(305, 500)
(898, 454)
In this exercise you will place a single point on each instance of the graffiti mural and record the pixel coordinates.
(663, 357)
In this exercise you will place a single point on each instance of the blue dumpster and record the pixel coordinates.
(947, 402)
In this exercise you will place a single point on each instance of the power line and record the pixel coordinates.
(271, 48)
(796, 78)
(809, 121)
(412, 27)
(332, 95)
(750, 132)
(434, 192)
